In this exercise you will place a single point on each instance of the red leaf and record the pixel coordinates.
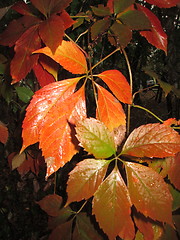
(118, 84)
(22, 8)
(84, 229)
(16, 28)
(69, 56)
(111, 206)
(48, 7)
(152, 140)
(67, 20)
(3, 133)
(52, 31)
(164, 3)
(156, 36)
(109, 110)
(42, 75)
(93, 172)
(149, 193)
(23, 62)
(174, 170)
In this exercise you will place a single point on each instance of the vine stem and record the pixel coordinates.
(131, 87)
(145, 109)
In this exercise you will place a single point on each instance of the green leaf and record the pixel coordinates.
(149, 193)
(95, 138)
(62, 232)
(84, 229)
(135, 19)
(99, 27)
(24, 93)
(176, 197)
(112, 207)
(101, 10)
(85, 178)
(121, 5)
(166, 87)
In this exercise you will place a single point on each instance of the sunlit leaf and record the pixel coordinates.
(111, 206)
(119, 134)
(118, 84)
(100, 10)
(149, 193)
(48, 120)
(48, 7)
(84, 229)
(164, 3)
(156, 36)
(62, 232)
(3, 133)
(135, 19)
(99, 27)
(95, 138)
(85, 178)
(109, 110)
(120, 33)
(16, 28)
(174, 170)
(23, 61)
(152, 140)
(42, 75)
(69, 56)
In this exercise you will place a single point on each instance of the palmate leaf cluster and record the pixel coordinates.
(122, 175)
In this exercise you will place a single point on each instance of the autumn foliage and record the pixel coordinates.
(122, 174)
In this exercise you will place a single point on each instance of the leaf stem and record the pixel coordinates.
(131, 86)
(145, 109)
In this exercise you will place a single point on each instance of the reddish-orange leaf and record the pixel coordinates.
(85, 178)
(22, 8)
(23, 61)
(84, 229)
(48, 7)
(118, 84)
(164, 3)
(16, 28)
(69, 56)
(41, 103)
(112, 207)
(144, 225)
(42, 75)
(156, 35)
(109, 110)
(3, 133)
(62, 232)
(149, 193)
(174, 170)
(67, 20)
(152, 140)
(171, 121)
(49, 65)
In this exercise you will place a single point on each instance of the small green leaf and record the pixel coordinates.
(95, 138)
(121, 5)
(99, 27)
(24, 93)
(176, 197)
(101, 10)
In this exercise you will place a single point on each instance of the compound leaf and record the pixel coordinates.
(95, 138)
(69, 56)
(85, 178)
(149, 193)
(112, 207)
(174, 169)
(152, 140)
(109, 109)
(164, 3)
(118, 84)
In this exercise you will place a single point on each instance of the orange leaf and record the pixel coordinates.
(171, 121)
(149, 193)
(174, 170)
(23, 62)
(42, 75)
(69, 56)
(48, 7)
(3, 133)
(48, 120)
(93, 172)
(156, 35)
(109, 110)
(118, 84)
(111, 206)
(164, 3)
(152, 140)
